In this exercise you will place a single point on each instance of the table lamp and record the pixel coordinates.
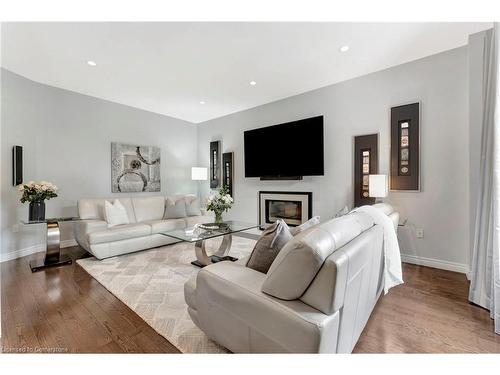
(378, 186)
(199, 174)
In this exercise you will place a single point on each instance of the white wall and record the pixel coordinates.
(476, 50)
(362, 106)
(66, 139)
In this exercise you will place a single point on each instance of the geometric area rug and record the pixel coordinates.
(151, 283)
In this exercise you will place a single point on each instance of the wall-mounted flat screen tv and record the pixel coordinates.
(292, 149)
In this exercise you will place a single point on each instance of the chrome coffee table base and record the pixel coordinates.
(202, 259)
(213, 259)
(53, 255)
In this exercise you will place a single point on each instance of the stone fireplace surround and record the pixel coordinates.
(293, 207)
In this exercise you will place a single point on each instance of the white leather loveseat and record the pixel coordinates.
(146, 217)
(316, 297)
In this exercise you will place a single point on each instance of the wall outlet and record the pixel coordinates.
(419, 233)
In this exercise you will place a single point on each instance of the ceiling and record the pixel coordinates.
(169, 67)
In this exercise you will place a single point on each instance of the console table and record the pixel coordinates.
(53, 255)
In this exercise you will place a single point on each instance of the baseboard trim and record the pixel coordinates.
(435, 263)
(32, 250)
(21, 253)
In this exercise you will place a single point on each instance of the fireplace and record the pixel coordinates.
(294, 208)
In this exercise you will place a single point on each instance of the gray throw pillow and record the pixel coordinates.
(342, 212)
(302, 227)
(268, 246)
(175, 208)
(192, 205)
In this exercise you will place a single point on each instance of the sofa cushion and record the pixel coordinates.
(301, 258)
(160, 226)
(192, 205)
(91, 209)
(115, 213)
(148, 208)
(120, 232)
(268, 246)
(175, 207)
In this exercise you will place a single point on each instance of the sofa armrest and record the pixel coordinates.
(229, 293)
(84, 227)
(394, 216)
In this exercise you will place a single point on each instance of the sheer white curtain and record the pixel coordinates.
(485, 275)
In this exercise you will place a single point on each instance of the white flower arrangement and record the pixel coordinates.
(219, 202)
(37, 191)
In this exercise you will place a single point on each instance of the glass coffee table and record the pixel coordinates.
(199, 234)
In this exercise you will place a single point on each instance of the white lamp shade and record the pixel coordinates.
(378, 186)
(199, 173)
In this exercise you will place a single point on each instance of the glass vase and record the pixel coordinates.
(218, 217)
(37, 211)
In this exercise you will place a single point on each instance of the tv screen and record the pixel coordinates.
(292, 149)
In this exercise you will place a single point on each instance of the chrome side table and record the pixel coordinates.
(53, 255)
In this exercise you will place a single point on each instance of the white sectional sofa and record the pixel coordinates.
(147, 219)
(316, 298)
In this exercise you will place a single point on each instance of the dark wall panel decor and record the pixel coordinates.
(405, 147)
(227, 171)
(365, 164)
(17, 165)
(215, 175)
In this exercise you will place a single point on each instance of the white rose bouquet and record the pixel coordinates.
(219, 202)
(37, 191)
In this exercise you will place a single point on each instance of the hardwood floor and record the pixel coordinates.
(430, 313)
(66, 310)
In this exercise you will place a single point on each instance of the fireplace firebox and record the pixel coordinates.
(294, 208)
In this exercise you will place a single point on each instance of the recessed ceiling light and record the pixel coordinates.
(91, 63)
(344, 49)
(253, 83)
(202, 102)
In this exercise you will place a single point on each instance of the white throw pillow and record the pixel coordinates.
(115, 213)
(192, 205)
(302, 227)
(342, 212)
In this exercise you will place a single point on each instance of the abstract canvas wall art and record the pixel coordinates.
(134, 168)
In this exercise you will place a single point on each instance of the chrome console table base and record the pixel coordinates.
(53, 255)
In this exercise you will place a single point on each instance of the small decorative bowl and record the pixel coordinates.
(213, 226)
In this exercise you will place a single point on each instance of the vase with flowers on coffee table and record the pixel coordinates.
(220, 202)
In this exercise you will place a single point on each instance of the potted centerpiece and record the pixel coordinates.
(36, 193)
(219, 202)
